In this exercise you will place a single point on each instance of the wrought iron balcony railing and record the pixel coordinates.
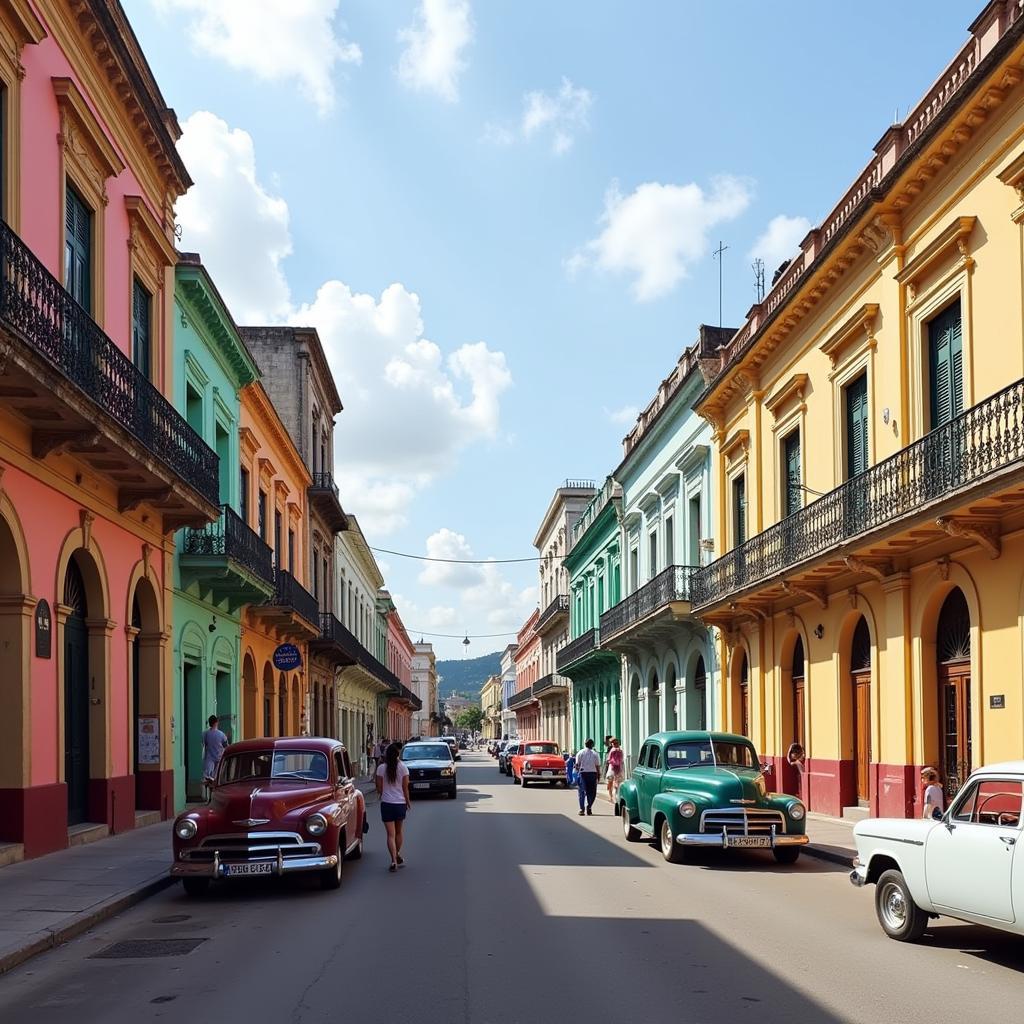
(334, 634)
(977, 444)
(671, 584)
(35, 305)
(550, 682)
(559, 606)
(576, 649)
(326, 498)
(231, 537)
(520, 699)
(289, 593)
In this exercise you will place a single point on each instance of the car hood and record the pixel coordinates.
(912, 830)
(269, 801)
(544, 760)
(428, 762)
(718, 785)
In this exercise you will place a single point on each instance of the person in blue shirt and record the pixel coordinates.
(570, 769)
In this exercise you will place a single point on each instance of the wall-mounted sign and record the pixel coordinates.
(997, 700)
(44, 630)
(149, 740)
(287, 657)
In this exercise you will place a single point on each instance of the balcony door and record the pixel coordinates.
(946, 400)
(78, 249)
(76, 696)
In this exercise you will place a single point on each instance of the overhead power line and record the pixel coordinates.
(462, 561)
(459, 636)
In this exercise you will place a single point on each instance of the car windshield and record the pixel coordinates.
(540, 748)
(427, 752)
(310, 765)
(708, 752)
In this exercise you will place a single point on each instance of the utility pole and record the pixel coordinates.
(758, 268)
(718, 253)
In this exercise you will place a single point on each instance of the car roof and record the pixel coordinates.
(699, 734)
(553, 742)
(323, 743)
(1002, 768)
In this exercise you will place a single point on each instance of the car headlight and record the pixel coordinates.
(447, 771)
(526, 765)
(186, 829)
(797, 811)
(316, 824)
(687, 809)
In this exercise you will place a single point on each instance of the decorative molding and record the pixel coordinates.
(815, 594)
(737, 438)
(943, 565)
(880, 233)
(83, 139)
(877, 570)
(248, 443)
(267, 470)
(147, 240)
(1013, 175)
(859, 326)
(955, 235)
(793, 388)
(693, 458)
(983, 533)
(86, 518)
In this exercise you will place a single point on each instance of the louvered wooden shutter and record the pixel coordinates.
(857, 427)
(77, 249)
(945, 356)
(739, 498)
(793, 493)
(140, 329)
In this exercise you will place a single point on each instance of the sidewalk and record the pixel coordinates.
(49, 900)
(830, 839)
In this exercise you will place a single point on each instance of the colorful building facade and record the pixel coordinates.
(425, 721)
(508, 689)
(98, 467)
(868, 421)
(523, 704)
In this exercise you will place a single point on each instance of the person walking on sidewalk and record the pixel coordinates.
(614, 759)
(588, 764)
(214, 745)
(392, 783)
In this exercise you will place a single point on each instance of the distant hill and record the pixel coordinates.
(467, 675)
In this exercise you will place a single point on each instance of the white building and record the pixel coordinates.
(424, 685)
(508, 687)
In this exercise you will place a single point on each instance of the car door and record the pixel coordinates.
(347, 795)
(969, 857)
(652, 779)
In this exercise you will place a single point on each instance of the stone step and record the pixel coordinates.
(856, 813)
(144, 818)
(11, 853)
(87, 832)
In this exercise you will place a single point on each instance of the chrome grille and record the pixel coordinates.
(741, 821)
(421, 774)
(255, 846)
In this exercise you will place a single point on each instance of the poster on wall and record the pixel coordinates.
(149, 740)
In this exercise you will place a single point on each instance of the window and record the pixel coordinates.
(670, 542)
(946, 366)
(316, 577)
(277, 538)
(991, 802)
(857, 426)
(634, 568)
(642, 758)
(222, 446)
(261, 513)
(324, 465)
(654, 758)
(291, 550)
(792, 497)
(694, 552)
(243, 494)
(78, 249)
(652, 566)
(194, 409)
(739, 510)
(314, 430)
(141, 303)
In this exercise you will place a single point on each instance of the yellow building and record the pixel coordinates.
(869, 461)
(490, 705)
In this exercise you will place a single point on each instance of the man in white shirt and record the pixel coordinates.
(588, 764)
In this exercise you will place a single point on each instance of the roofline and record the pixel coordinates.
(560, 492)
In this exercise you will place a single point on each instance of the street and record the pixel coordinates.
(512, 908)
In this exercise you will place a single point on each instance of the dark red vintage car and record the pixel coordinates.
(279, 806)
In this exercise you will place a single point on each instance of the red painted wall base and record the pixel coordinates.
(154, 791)
(36, 817)
(112, 802)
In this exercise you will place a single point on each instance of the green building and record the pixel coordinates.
(224, 566)
(595, 585)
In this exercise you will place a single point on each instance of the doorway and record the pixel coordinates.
(860, 684)
(76, 696)
(192, 747)
(953, 651)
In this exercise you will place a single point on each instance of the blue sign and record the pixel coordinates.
(287, 657)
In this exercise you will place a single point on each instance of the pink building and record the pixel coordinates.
(399, 652)
(97, 469)
(527, 662)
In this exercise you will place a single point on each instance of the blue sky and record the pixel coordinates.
(549, 180)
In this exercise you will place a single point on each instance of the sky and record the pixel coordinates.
(500, 216)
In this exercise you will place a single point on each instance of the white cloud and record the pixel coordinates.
(780, 241)
(624, 416)
(657, 232)
(432, 59)
(447, 544)
(411, 406)
(560, 116)
(276, 41)
(232, 221)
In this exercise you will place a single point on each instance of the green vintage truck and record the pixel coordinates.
(706, 789)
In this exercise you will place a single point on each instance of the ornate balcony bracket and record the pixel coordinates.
(815, 594)
(876, 570)
(46, 442)
(130, 498)
(984, 534)
(760, 610)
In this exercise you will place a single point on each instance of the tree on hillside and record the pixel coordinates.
(469, 718)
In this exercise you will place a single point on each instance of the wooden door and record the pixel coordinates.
(798, 711)
(862, 732)
(744, 708)
(954, 725)
(76, 718)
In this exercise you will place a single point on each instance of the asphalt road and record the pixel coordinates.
(512, 908)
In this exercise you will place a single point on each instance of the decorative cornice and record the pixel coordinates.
(815, 594)
(263, 412)
(877, 570)
(248, 442)
(735, 440)
(956, 234)
(859, 324)
(22, 21)
(83, 136)
(793, 388)
(983, 533)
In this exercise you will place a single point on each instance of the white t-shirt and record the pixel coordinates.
(933, 795)
(392, 793)
(588, 760)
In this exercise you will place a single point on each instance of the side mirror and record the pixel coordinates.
(766, 768)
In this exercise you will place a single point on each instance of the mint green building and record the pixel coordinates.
(595, 585)
(224, 566)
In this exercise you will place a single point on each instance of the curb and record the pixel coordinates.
(81, 922)
(833, 854)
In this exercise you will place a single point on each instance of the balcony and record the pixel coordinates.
(906, 502)
(291, 610)
(651, 613)
(521, 699)
(80, 394)
(227, 561)
(407, 697)
(551, 685)
(335, 642)
(325, 501)
(554, 615)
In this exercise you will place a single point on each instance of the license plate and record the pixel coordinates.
(549, 773)
(248, 869)
(748, 841)
(421, 785)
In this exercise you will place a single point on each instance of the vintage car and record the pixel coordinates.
(538, 761)
(706, 789)
(963, 865)
(431, 767)
(505, 755)
(278, 807)
(453, 743)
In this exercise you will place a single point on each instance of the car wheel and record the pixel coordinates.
(357, 852)
(523, 783)
(564, 784)
(900, 917)
(670, 849)
(786, 854)
(330, 878)
(196, 886)
(631, 833)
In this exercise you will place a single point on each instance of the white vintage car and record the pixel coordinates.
(961, 866)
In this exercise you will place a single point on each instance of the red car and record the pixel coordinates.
(279, 806)
(538, 761)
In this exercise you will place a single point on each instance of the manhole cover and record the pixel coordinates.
(136, 949)
(172, 919)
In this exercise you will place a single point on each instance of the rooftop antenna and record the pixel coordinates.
(758, 267)
(718, 252)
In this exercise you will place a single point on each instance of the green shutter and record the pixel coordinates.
(857, 427)
(945, 369)
(739, 502)
(794, 491)
(140, 329)
(77, 249)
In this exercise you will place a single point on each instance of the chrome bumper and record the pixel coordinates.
(716, 839)
(552, 776)
(281, 866)
(859, 876)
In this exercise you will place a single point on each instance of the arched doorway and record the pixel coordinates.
(860, 689)
(136, 704)
(147, 694)
(76, 694)
(16, 625)
(797, 677)
(250, 696)
(282, 705)
(741, 692)
(953, 674)
(296, 706)
(675, 722)
(636, 726)
(700, 693)
(268, 700)
(653, 703)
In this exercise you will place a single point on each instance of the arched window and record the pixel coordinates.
(798, 671)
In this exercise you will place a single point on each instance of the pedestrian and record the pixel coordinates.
(214, 744)
(371, 759)
(796, 759)
(934, 798)
(392, 782)
(570, 769)
(615, 760)
(588, 763)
